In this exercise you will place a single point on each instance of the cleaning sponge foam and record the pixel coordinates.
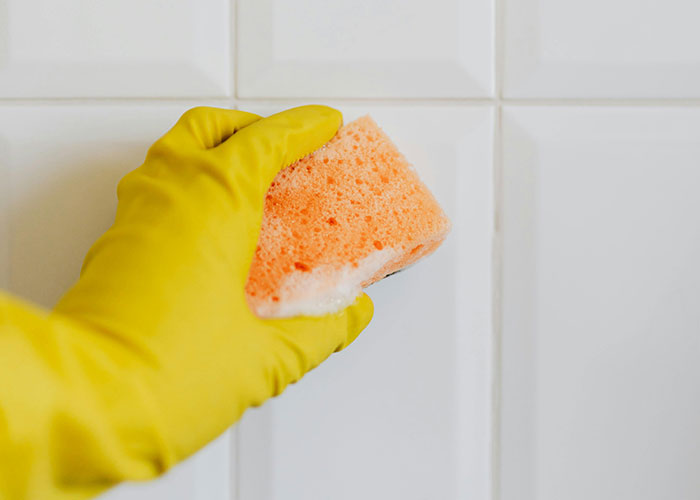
(338, 220)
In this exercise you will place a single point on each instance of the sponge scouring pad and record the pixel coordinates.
(338, 220)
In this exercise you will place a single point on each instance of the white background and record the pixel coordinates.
(549, 350)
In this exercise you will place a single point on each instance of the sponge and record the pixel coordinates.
(338, 220)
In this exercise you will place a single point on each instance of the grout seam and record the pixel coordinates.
(497, 250)
(235, 469)
(374, 100)
(498, 48)
(496, 302)
(233, 26)
(610, 102)
(91, 101)
(233, 51)
(233, 101)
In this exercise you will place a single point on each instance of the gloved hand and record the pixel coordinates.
(154, 352)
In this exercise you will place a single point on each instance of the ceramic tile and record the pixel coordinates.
(405, 411)
(130, 48)
(600, 345)
(602, 49)
(394, 48)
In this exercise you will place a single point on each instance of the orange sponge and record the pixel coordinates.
(338, 220)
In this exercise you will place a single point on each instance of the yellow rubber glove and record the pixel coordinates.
(154, 352)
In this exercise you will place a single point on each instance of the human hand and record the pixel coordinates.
(166, 283)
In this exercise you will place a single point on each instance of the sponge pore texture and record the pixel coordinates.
(338, 220)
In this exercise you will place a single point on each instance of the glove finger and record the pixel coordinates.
(303, 342)
(206, 127)
(262, 149)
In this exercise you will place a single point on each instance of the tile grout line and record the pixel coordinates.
(498, 50)
(102, 101)
(476, 101)
(497, 249)
(496, 299)
(428, 101)
(610, 102)
(235, 470)
(389, 101)
(233, 56)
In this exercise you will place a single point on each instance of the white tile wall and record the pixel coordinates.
(590, 242)
(125, 48)
(365, 48)
(410, 399)
(602, 48)
(600, 303)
